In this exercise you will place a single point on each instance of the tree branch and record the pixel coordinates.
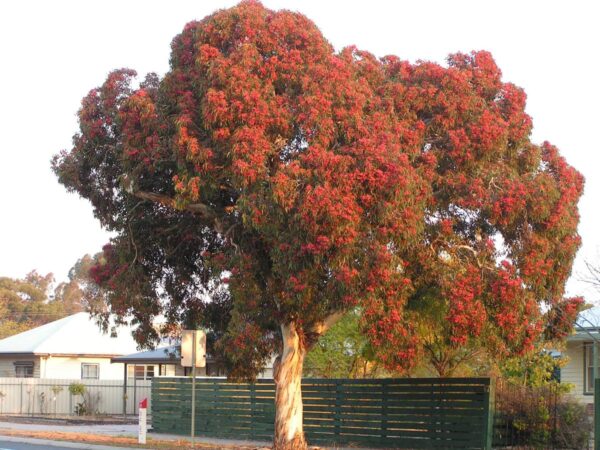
(466, 247)
(197, 208)
(321, 328)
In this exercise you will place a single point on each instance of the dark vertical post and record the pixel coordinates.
(252, 409)
(125, 389)
(193, 418)
(488, 422)
(595, 360)
(384, 411)
(597, 414)
(338, 410)
(554, 389)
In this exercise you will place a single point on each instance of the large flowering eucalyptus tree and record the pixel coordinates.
(289, 182)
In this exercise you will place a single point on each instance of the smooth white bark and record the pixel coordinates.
(289, 433)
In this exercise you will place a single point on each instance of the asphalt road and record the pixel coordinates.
(7, 445)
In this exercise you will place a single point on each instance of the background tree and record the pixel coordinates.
(35, 299)
(8, 325)
(537, 368)
(310, 182)
(343, 352)
(72, 293)
(591, 276)
(440, 357)
(27, 303)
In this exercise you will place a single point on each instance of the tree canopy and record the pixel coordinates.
(35, 300)
(293, 182)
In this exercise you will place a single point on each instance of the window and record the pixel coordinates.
(588, 355)
(24, 369)
(138, 372)
(214, 370)
(141, 372)
(90, 371)
(167, 370)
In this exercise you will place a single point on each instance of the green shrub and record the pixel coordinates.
(539, 417)
(81, 407)
(77, 389)
(574, 426)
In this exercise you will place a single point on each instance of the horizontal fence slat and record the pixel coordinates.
(409, 413)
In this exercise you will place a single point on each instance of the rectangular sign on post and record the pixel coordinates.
(193, 354)
(142, 428)
(187, 340)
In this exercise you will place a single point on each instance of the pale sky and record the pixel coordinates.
(53, 53)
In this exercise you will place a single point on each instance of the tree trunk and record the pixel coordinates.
(289, 434)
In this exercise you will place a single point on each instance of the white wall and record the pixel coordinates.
(573, 372)
(70, 367)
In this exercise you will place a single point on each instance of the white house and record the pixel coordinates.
(70, 348)
(579, 350)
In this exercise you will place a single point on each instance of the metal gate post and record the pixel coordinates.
(490, 399)
(597, 414)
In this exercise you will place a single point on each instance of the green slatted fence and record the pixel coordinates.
(597, 414)
(450, 413)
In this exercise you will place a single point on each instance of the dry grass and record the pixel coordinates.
(118, 441)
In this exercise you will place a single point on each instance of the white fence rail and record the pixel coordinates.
(39, 396)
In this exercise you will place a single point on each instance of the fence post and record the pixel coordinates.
(338, 409)
(489, 397)
(252, 409)
(597, 414)
(125, 389)
(384, 411)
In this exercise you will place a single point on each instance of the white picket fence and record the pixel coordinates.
(39, 396)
